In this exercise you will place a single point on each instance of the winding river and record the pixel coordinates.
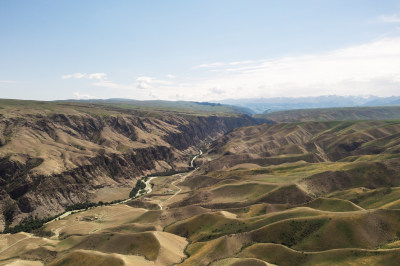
(148, 189)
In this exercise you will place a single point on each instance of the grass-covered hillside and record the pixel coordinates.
(334, 114)
(169, 106)
(306, 193)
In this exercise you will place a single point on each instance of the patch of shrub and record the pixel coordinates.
(80, 206)
(139, 186)
(28, 224)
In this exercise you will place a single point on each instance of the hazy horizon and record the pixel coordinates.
(370, 96)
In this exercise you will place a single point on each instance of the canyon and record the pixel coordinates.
(53, 155)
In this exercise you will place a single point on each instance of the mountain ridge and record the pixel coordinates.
(274, 104)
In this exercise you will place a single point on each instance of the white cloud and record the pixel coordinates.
(216, 64)
(8, 81)
(389, 18)
(369, 69)
(219, 64)
(80, 96)
(242, 62)
(144, 83)
(74, 76)
(101, 80)
(99, 76)
(170, 76)
(372, 68)
(111, 85)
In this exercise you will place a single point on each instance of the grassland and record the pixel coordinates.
(335, 114)
(338, 207)
(302, 193)
(112, 107)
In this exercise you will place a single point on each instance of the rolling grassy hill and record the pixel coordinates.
(169, 106)
(293, 193)
(334, 114)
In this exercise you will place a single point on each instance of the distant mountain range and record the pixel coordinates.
(268, 105)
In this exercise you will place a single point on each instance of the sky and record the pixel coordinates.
(205, 50)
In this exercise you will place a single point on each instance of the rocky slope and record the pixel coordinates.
(57, 154)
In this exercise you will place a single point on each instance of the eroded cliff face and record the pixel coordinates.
(49, 161)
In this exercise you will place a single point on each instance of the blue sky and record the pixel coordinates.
(198, 50)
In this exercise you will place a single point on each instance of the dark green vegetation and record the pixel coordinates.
(80, 206)
(139, 186)
(29, 224)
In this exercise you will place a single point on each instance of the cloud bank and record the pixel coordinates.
(372, 68)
